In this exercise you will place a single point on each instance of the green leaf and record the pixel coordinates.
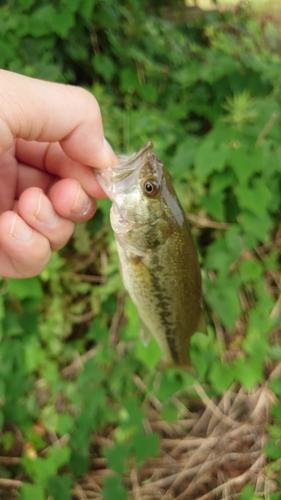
(234, 240)
(184, 156)
(41, 469)
(204, 351)
(250, 270)
(256, 202)
(214, 206)
(248, 493)
(145, 445)
(107, 16)
(211, 157)
(2, 307)
(256, 343)
(72, 6)
(65, 423)
(28, 491)
(47, 19)
(225, 302)
(7, 53)
(220, 181)
(169, 383)
(58, 456)
(114, 489)
(170, 413)
(129, 80)
(34, 355)
(7, 441)
(275, 351)
(2, 392)
(276, 386)
(2, 419)
(218, 257)
(188, 76)
(149, 92)
(86, 8)
(27, 3)
(256, 225)
(149, 354)
(276, 412)
(104, 66)
(245, 162)
(26, 288)
(273, 449)
(41, 19)
(132, 414)
(217, 65)
(221, 376)
(248, 372)
(117, 457)
(59, 488)
(79, 463)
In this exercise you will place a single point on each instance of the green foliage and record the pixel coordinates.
(248, 493)
(206, 92)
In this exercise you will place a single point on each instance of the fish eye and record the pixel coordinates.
(151, 187)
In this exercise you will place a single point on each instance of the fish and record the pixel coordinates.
(157, 255)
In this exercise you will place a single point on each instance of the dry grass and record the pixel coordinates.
(209, 454)
(256, 5)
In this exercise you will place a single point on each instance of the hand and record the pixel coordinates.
(50, 137)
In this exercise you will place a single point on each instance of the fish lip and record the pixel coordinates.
(125, 161)
(127, 169)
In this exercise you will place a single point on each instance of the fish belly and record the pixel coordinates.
(166, 293)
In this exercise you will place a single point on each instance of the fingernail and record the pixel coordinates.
(82, 203)
(20, 230)
(110, 153)
(45, 212)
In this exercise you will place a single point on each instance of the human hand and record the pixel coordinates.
(50, 137)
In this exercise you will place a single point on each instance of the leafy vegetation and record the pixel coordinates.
(77, 387)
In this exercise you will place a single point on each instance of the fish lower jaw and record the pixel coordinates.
(121, 226)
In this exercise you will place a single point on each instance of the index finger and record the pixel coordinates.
(49, 112)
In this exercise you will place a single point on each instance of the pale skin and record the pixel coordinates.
(51, 135)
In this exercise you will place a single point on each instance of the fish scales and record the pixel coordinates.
(158, 258)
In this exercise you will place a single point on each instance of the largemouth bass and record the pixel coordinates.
(158, 258)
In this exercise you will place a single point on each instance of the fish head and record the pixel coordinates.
(135, 188)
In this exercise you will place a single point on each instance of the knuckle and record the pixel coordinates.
(88, 104)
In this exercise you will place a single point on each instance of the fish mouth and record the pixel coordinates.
(120, 177)
(128, 164)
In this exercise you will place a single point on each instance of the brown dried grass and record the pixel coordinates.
(210, 454)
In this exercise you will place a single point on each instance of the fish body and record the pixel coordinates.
(158, 258)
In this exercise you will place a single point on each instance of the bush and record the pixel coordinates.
(206, 90)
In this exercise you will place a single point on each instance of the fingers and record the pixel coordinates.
(41, 225)
(71, 201)
(23, 252)
(52, 159)
(32, 177)
(36, 113)
(8, 179)
(49, 112)
(35, 208)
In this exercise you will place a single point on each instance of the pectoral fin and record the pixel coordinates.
(145, 334)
